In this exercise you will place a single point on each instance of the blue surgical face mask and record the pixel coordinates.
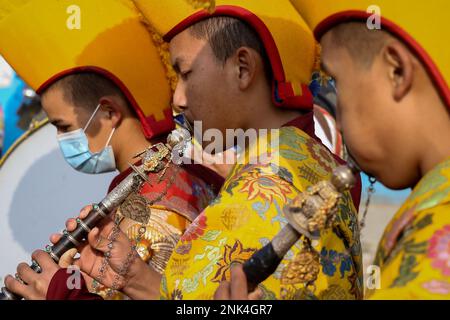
(75, 148)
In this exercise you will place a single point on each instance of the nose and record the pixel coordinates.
(179, 102)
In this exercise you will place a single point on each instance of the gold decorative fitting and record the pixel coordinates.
(304, 268)
(325, 214)
(152, 160)
(313, 210)
(156, 243)
(136, 207)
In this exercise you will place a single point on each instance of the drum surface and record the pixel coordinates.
(39, 191)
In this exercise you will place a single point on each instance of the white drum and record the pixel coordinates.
(38, 192)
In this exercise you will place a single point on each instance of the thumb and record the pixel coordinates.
(67, 258)
(257, 294)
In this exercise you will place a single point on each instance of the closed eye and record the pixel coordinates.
(63, 129)
(184, 75)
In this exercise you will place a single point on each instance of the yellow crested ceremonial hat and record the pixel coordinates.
(422, 26)
(287, 39)
(47, 40)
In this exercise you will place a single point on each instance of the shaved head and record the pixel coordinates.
(362, 44)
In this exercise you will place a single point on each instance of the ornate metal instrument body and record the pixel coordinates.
(308, 214)
(152, 162)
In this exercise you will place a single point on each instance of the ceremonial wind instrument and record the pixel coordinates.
(155, 159)
(309, 213)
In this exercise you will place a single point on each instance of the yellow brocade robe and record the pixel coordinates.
(166, 220)
(414, 253)
(247, 214)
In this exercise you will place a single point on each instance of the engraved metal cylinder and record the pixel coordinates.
(284, 240)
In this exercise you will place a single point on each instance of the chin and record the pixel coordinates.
(397, 180)
(387, 178)
(392, 184)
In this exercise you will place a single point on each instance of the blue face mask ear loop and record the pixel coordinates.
(90, 120)
(110, 137)
(92, 117)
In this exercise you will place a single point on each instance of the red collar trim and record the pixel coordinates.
(304, 122)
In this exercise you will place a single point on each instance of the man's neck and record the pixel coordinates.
(268, 116)
(436, 153)
(130, 141)
(436, 143)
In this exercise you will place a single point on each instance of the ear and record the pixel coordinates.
(112, 105)
(401, 69)
(246, 66)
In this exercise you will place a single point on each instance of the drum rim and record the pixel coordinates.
(35, 126)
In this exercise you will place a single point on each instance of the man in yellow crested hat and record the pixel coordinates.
(106, 91)
(391, 64)
(247, 65)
